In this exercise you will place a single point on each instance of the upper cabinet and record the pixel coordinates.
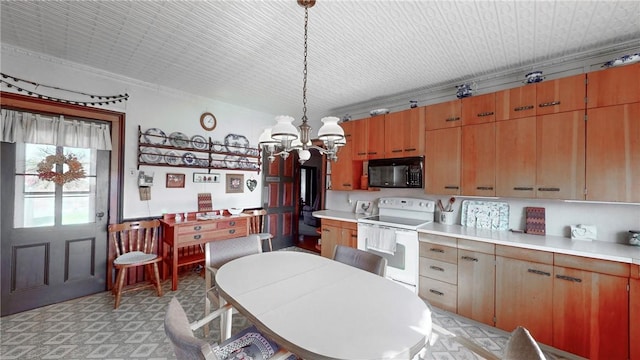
(516, 157)
(613, 153)
(444, 115)
(479, 109)
(479, 160)
(516, 103)
(442, 161)
(344, 173)
(618, 85)
(404, 133)
(561, 95)
(369, 141)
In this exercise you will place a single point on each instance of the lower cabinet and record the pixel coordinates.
(588, 307)
(476, 280)
(524, 291)
(336, 232)
(634, 312)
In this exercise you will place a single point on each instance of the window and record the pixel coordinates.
(40, 202)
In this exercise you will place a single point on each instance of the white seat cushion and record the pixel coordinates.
(522, 346)
(134, 257)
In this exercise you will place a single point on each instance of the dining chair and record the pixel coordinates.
(249, 342)
(218, 253)
(257, 225)
(361, 259)
(134, 244)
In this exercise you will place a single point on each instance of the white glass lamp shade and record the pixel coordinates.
(265, 138)
(304, 155)
(330, 130)
(284, 129)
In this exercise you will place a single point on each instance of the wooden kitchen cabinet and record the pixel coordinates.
(561, 95)
(476, 280)
(560, 151)
(516, 103)
(591, 307)
(360, 139)
(404, 133)
(634, 312)
(479, 160)
(479, 109)
(438, 271)
(375, 139)
(516, 158)
(444, 115)
(443, 161)
(335, 232)
(524, 291)
(345, 173)
(613, 86)
(613, 153)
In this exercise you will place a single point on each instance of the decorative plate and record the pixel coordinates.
(244, 163)
(218, 164)
(150, 155)
(203, 162)
(199, 142)
(485, 215)
(232, 162)
(218, 146)
(155, 136)
(189, 159)
(172, 158)
(236, 144)
(179, 139)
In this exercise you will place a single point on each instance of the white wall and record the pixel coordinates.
(151, 106)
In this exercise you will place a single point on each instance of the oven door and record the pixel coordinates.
(402, 265)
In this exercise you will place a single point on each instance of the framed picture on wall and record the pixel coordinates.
(175, 180)
(206, 178)
(235, 183)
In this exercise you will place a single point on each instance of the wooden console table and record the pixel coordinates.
(193, 232)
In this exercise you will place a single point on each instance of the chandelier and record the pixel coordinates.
(285, 138)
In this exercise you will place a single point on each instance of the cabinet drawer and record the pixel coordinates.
(439, 270)
(236, 223)
(194, 237)
(438, 239)
(438, 293)
(513, 252)
(479, 246)
(195, 228)
(439, 252)
(595, 265)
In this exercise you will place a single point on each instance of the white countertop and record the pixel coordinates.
(594, 249)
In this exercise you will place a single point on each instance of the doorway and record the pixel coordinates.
(310, 181)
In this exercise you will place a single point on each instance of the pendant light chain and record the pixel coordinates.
(304, 72)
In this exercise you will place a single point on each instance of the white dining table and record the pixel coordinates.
(319, 308)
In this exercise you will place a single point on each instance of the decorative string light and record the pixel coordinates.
(102, 99)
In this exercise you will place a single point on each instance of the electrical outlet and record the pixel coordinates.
(132, 172)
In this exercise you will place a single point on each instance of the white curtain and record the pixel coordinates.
(18, 126)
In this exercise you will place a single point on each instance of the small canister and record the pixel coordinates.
(634, 237)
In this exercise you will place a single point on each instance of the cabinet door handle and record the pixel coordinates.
(468, 258)
(483, 114)
(436, 292)
(346, 185)
(568, 278)
(372, 153)
(452, 187)
(553, 103)
(396, 151)
(523, 188)
(410, 149)
(484, 188)
(436, 268)
(521, 108)
(232, 223)
(453, 118)
(197, 237)
(197, 228)
(362, 153)
(436, 250)
(538, 272)
(548, 189)
(232, 231)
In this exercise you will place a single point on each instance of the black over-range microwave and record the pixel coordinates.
(396, 173)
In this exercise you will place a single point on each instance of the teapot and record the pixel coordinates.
(634, 237)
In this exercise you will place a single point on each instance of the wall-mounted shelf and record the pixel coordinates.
(203, 154)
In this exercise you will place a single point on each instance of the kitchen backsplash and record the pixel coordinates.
(612, 220)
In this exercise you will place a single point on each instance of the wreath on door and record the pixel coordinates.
(74, 170)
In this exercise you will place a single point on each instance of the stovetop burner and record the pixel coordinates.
(407, 213)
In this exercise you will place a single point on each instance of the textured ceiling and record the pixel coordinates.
(250, 52)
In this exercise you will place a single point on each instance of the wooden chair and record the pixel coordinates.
(186, 346)
(361, 259)
(134, 246)
(216, 254)
(257, 224)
